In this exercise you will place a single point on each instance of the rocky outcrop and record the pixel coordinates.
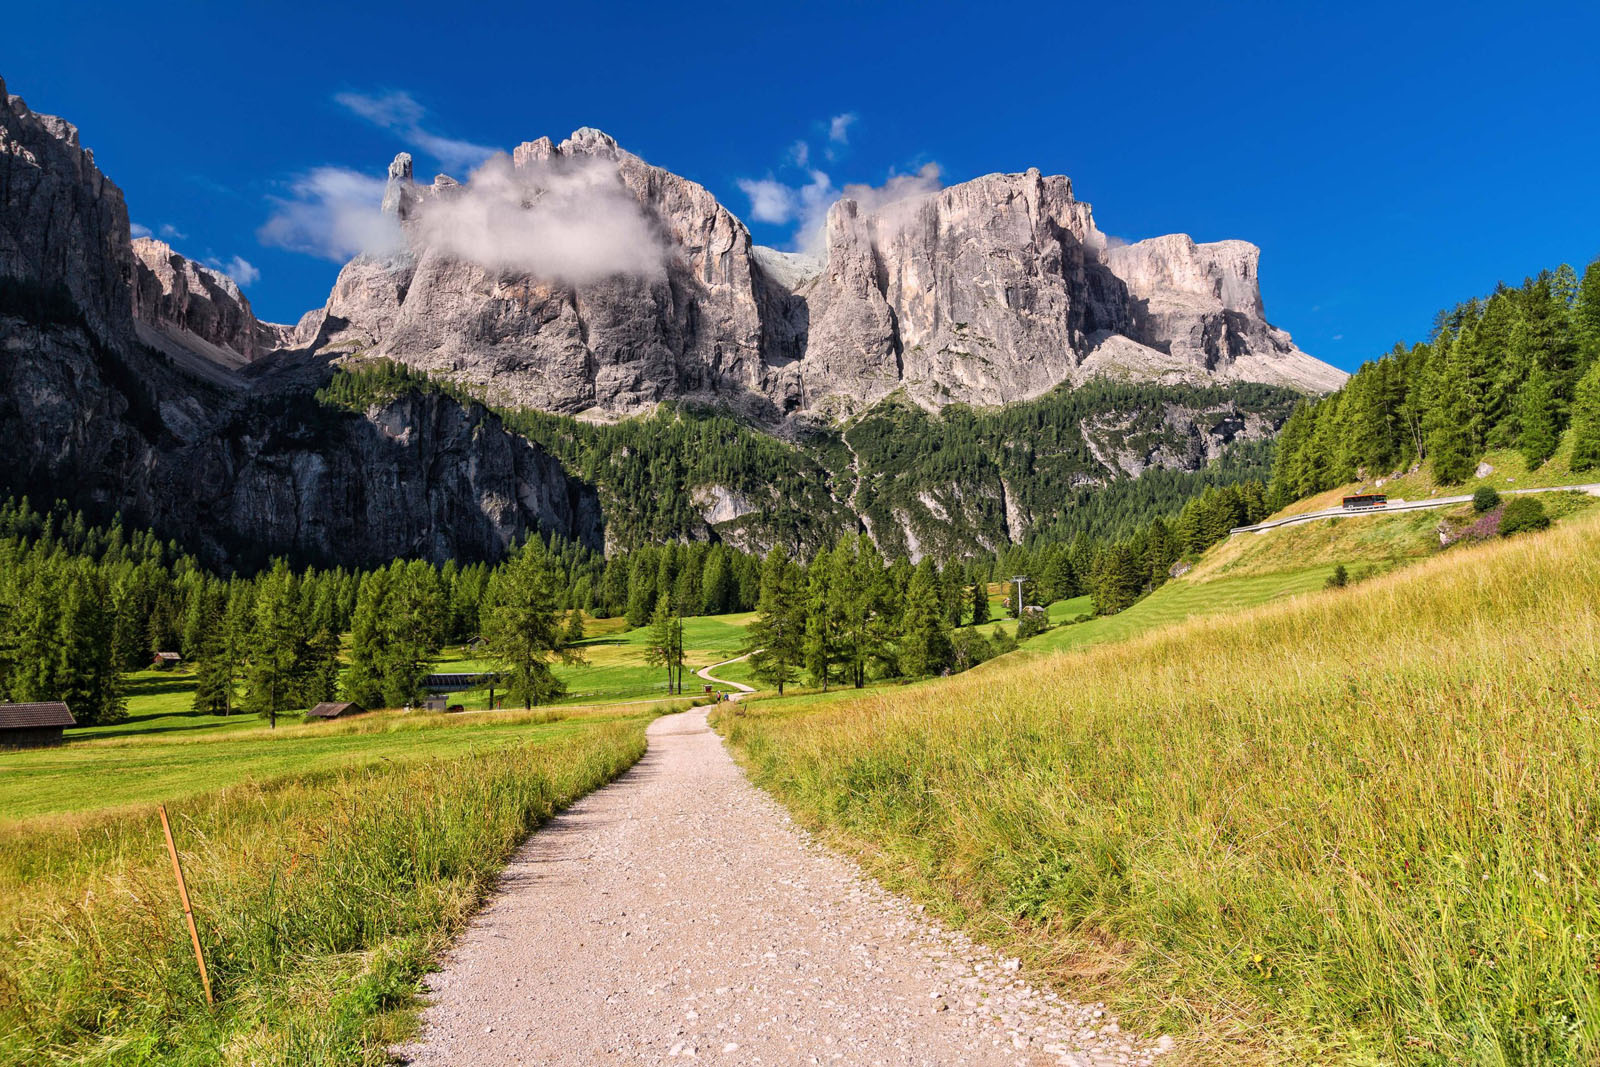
(147, 416)
(61, 220)
(1201, 303)
(990, 291)
(683, 321)
(986, 292)
(77, 405)
(421, 476)
(198, 308)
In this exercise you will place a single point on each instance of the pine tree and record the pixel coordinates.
(665, 648)
(277, 650)
(1586, 420)
(776, 639)
(980, 600)
(521, 628)
(821, 651)
(572, 633)
(925, 647)
(1536, 407)
(1586, 315)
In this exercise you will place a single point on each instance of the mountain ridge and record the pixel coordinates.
(139, 381)
(987, 291)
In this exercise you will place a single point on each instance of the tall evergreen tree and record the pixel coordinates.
(275, 664)
(1586, 421)
(1536, 404)
(521, 626)
(925, 647)
(980, 600)
(776, 639)
(665, 648)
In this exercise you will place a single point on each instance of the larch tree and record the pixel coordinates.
(776, 639)
(522, 629)
(1586, 421)
(925, 647)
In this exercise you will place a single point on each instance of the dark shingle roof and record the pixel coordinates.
(455, 683)
(30, 716)
(334, 709)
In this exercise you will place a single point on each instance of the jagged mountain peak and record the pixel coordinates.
(986, 291)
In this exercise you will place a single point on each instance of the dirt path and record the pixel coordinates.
(741, 690)
(678, 914)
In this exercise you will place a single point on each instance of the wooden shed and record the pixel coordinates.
(335, 710)
(164, 660)
(33, 725)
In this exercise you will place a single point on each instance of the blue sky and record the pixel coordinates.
(1388, 158)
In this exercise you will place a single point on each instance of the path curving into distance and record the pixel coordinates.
(678, 916)
(740, 690)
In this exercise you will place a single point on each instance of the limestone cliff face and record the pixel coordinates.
(76, 405)
(1201, 303)
(990, 291)
(418, 477)
(147, 416)
(689, 326)
(196, 307)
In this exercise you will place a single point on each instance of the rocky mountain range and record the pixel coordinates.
(120, 391)
(137, 380)
(987, 292)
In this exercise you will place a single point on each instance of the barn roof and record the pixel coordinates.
(330, 709)
(32, 716)
(455, 683)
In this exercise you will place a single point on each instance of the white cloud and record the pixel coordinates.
(561, 220)
(770, 200)
(776, 202)
(399, 113)
(569, 220)
(171, 232)
(818, 198)
(136, 229)
(243, 271)
(333, 213)
(238, 268)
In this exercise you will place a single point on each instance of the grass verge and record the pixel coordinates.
(1354, 827)
(321, 901)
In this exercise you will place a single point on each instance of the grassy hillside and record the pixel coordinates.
(327, 871)
(141, 769)
(1507, 470)
(1356, 826)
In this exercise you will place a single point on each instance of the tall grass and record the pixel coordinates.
(1361, 826)
(320, 902)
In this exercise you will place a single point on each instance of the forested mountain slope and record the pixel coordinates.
(1515, 370)
(1099, 459)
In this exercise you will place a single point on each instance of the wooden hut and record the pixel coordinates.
(33, 725)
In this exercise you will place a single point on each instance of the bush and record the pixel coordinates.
(1339, 578)
(1485, 498)
(1032, 623)
(1522, 513)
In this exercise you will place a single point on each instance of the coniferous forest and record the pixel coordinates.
(1514, 370)
(81, 605)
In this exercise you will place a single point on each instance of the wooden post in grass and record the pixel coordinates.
(183, 894)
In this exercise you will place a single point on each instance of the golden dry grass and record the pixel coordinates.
(1360, 826)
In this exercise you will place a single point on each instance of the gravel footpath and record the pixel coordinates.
(677, 914)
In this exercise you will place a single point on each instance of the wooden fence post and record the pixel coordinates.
(183, 894)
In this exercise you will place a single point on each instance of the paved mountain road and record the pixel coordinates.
(677, 915)
(1401, 505)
